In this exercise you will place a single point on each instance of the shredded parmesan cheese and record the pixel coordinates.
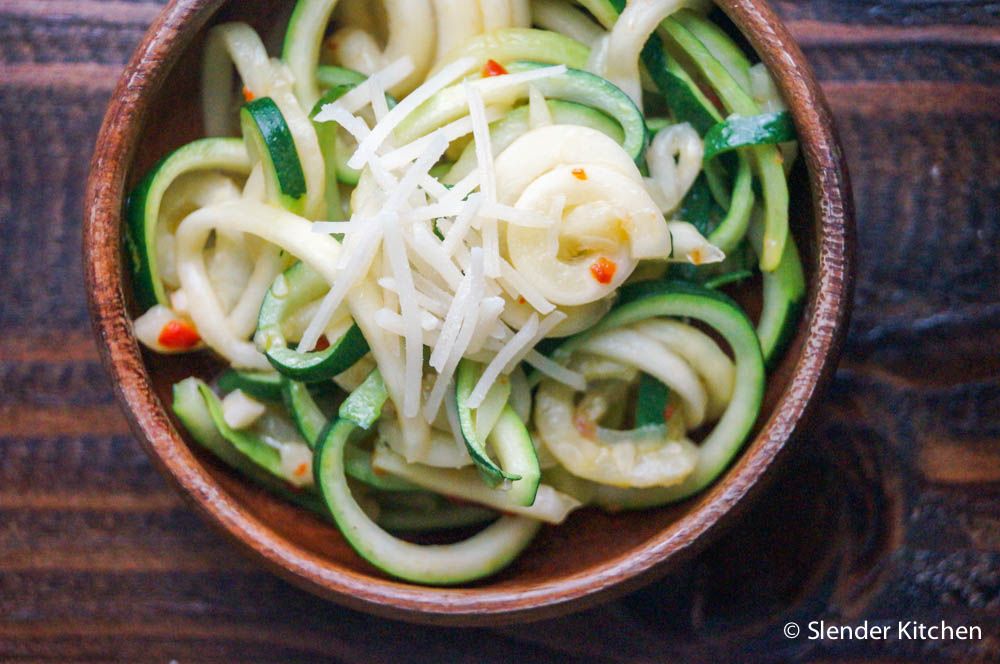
(510, 349)
(356, 99)
(556, 371)
(368, 147)
(450, 350)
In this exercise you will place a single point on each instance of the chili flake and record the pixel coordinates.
(603, 270)
(493, 68)
(178, 335)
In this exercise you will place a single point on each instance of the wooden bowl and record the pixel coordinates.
(590, 558)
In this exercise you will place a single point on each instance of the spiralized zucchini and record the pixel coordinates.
(460, 278)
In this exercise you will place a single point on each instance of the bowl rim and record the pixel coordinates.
(830, 295)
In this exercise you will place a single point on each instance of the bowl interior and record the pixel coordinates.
(589, 542)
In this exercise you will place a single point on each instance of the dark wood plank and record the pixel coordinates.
(887, 508)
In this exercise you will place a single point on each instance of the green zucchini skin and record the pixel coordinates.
(481, 555)
(330, 146)
(734, 277)
(575, 85)
(516, 449)
(598, 93)
(687, 102)
(191, 408)
(309, 419)
(267, 134)
(740, 131)
(296, 287)
(440, 517)
(302, 43)
(465, 381)
(311, 422)
(650, 402)
(143, 207)
(517, 122)
(767, 159)
(649, 299)
(258, 384)
(330, 77)
(510, 439)
(684, 34)
(506, 45)
(338, 81)
(784, 292)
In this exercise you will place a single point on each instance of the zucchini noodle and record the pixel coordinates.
(409, 22)
(563, 17)
(451, 258)
(457, 20)
(228, 45)
(674, 163)
(619, 59)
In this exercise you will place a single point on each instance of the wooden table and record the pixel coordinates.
(888, 509)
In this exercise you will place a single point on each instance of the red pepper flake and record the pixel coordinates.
(521, 300)
(585, 426)
(322, 343)
(579, 174)
(603, 270)
(178, 335)
(493, 68)
(247, 95)
(301, 469)
(668, 412)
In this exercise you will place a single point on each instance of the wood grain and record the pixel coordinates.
(887, 509)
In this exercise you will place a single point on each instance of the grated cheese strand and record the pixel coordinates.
(356, 99)
(354, 125)
(380, 107)
(488, 177)
(370, 145)
(510, 349)
(470, 316)
(483, 145)
(417, 171)
(431, 290)
(435, 211)
(489, 317)
(354, 270)
(413, 340)
(463, 222)
(523, 288)
(328, 227)
(538, 110)
(463, 187)
(433, 186)
(427, 303)
(517, 216)
(452, 324)
(494, 83)
(427, 246)
(556, 371)
(453, 131)
(399, 263)
(544, 327)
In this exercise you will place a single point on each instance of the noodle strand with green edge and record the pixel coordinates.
(768, 160)
(464, 263)
(473, 558)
